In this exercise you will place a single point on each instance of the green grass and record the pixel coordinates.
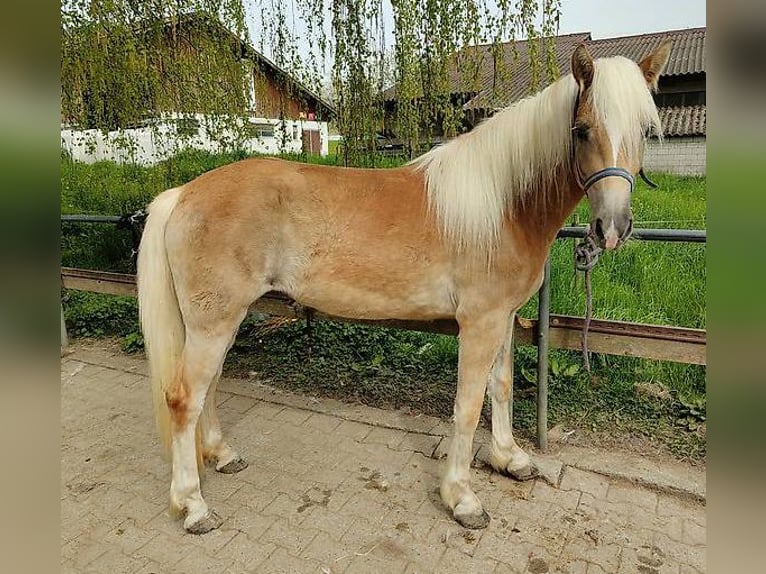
(644, 282)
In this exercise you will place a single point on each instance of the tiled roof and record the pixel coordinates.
(518, 71)
(684, 120)
(687, 56)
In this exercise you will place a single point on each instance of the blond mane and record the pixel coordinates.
(478, 179)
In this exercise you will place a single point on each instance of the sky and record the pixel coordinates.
(609, 18)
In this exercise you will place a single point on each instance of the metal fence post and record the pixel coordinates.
(64, 337)
(543, 322)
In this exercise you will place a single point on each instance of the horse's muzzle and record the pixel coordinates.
(614, 232)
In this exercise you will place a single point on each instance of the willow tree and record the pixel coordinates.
(124, 61)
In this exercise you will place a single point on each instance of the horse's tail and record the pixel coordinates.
(161, 321)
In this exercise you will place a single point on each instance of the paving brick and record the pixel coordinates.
(505, 569)
(322, 423)
(583, 481)
(385, 436)
(199, 564)
(694, 534)
(246, 550)
(293, 417)
(115, 562)
(239, 404)
(281, 561)
(330, 495)
(674, 506)
(221, 397)
(633, 495)
(353, 430)
(293, 538)
(367, 564)
(456, 561)
(694, 556)
(647, 559)
(264, 410)
(83, 551)
(513, 551)
(128, 537)
(165, 550)
(575, 567)
(594, 550)
(328, 551)
(567, 499)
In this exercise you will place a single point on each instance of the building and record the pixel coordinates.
(680, 99)
(284, 115)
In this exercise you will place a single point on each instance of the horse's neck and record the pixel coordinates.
(539, 220)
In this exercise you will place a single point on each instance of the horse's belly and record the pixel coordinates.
(383, 299)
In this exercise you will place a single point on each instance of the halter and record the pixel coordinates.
(602, 173)
(608, 172)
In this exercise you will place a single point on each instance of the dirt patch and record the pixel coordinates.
(538, 566)
(373, 480)
(315, 497)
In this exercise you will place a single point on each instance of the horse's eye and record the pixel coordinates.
(582, 131)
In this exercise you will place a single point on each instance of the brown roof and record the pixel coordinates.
(519, 79)
(684, 120)
(687, 56)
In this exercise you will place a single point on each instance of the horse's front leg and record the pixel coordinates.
(506, 456)
(481, 340)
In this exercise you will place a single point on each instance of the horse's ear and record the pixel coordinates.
(653, 64)
(582, 67)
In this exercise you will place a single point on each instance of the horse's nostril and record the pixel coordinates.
(599, 229)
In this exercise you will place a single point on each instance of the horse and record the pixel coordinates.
(461, 232)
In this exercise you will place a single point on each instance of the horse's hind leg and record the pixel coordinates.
(201, 360)
(506, 456)
(214, 447)
(481, 340)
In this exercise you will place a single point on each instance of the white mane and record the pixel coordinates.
(477, 179)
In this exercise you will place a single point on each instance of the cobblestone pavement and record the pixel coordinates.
(336, 488)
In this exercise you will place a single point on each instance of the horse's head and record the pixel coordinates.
(614, 112)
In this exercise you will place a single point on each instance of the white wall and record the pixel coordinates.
(679, 155)
(149, 145)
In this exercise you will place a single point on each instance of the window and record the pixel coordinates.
(187, 127)
(296, 132)
(260, 131)
(666, 99)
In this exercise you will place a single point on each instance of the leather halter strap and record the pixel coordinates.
(608, 172)
(602, 173)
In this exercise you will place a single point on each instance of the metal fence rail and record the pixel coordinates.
(658, 342)
(543, 313)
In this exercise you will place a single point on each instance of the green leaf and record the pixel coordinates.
(572, 370)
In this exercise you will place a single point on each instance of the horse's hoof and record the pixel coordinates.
(473, 521)
(234, 466)
(209, 522)
(527, 472)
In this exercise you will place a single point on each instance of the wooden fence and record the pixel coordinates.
(659, 342)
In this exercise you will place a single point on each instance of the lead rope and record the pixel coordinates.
(586, 254)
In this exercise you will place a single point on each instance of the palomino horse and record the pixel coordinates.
(462, 232)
